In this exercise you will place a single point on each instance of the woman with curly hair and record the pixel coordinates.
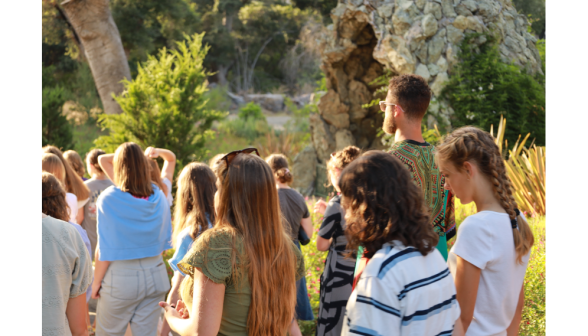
(491, 253)
(405, 287)
(242, 273)
(337, 276)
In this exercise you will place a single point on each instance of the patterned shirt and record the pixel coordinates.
(402, 292)
(419, 158)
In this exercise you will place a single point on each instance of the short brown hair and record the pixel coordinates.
(75, 161)
(54, 203)
(131, 170)
(92, 157)
(279, 165)
(412, 93)
(384, 204)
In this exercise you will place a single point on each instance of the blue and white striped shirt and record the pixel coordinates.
(402, 292)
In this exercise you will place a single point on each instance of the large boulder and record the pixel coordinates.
(269, 101)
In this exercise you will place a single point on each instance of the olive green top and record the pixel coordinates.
(214, 261)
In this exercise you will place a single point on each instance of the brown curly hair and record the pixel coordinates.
(341, 159)
(75, 161)
(384, 204)
(477, 146)
(279, 165)
(54, 203)
(412, 93)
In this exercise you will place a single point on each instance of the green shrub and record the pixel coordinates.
(249, 124)
(482, 88)
(56, 130)
(164, 106)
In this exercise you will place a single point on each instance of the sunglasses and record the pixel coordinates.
(383, 105)
(229, 157)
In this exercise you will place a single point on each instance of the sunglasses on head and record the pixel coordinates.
(229, 157)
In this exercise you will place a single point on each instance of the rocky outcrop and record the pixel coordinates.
(405, 36)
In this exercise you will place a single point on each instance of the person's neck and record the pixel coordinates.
(409, 132)
(280, 185)
(485, 199)
(99, 176)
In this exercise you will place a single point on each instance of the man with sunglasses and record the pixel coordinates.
(405, 106)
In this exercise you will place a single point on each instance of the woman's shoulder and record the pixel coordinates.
(71, 197)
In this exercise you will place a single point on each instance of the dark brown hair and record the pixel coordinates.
(155, 174)
(279, 165)
(195, 199)
(92, 157)
(131, 170)
(75, 161)
(384, 204)
(73, 182)
(54, 203)
(477, 146)
(412, 93)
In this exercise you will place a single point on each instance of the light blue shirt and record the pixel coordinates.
(132, 228)
(185, 244)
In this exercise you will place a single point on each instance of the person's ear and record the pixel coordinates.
(469, 169)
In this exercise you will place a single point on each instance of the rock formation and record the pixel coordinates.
(405, 36)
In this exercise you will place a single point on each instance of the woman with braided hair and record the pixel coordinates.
(491, 253)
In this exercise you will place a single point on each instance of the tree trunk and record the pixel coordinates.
(93, 23)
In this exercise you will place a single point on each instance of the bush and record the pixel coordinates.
(249, 124)
(482, 88)
(56, 130)
(164, 106)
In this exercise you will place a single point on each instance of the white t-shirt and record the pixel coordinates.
(169, 196)
(485, 240)
(72, 201)
(402, 292)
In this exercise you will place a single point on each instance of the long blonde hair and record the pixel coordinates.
(195, 200)
(75, 161)
(73, 182)
(131, 170)
(249, 209)
(50, 163)
(473, 144)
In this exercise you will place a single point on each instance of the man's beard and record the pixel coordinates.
(390, 124)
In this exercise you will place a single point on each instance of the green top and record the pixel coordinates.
(214, 261)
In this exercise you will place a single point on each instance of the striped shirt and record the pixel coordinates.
(402, 292)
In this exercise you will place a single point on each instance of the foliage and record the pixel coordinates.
(541, 49)
(249, 124)
(164, 106)
(56, 129)
(535, 10)
(432, 136)
(526, 169)
(285, 143)
(483, 87)
(533, 318)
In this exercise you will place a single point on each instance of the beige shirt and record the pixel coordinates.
(67, 273)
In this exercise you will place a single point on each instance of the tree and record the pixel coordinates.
(164, 105)
(93, 24)
(56, 130)
(536, 9)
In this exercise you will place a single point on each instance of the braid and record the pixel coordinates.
(472, 144)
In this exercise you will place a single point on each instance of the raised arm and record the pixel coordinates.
(169, 159)
(106, 163)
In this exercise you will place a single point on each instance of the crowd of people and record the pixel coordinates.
(237, 230)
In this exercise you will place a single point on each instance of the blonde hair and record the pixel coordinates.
(472, 144)
(155, 175)
(249, 210)
(215, 162)
(53, 197)
(195, 200)
(131, 170)
(73, 182)
(50, 163)
(75, 161)
(279, 165)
